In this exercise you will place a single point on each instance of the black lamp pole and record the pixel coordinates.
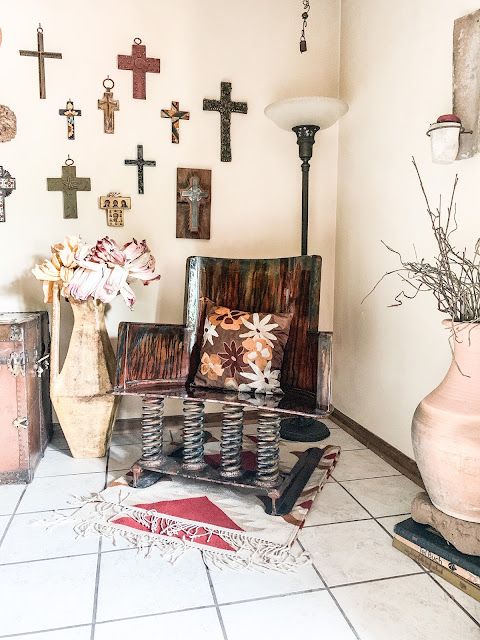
(301, 429)
(305, 140)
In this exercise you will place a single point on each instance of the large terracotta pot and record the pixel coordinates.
(446, 431)
(79, 392)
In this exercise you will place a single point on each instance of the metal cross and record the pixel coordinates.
(41, 54)
(176, 116)
(225, 107)
(140, 65)
(194, 194)
(140, 162)
(7, 185)
(109, 106)
(70, 112)
(69, 184)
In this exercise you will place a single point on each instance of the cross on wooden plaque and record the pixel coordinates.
(176, 116)
(69, 184)
(194, 194)
(108, 106)
(7, 185)
(41, 54)
(225, 107)
(140, 162)
(70, 112)
(193, 203)
(140, 65)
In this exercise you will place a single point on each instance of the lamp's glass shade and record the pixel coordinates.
(317, 110)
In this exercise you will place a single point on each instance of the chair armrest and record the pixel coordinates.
(324, 371)
(151, 353)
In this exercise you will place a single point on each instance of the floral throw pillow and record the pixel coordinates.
(242, 351)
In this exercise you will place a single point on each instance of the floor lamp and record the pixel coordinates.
(305, 116)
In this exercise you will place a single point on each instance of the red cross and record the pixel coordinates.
(140, 65)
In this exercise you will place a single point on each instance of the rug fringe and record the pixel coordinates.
(248, 553)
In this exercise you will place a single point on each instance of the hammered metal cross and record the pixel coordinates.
(41, 54)
(225, 107)
(140, 162)
(140, 65)
(7, 185)
(176, 116)
(69, 184)
(108, 106)
(70, 112)
(194, 194)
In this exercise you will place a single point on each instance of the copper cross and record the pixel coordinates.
(109, 106)
(69, 184)
(225, 107)
(194, 194)
(41, 54)
(176, 116)
(140, 65)
(7, 185)
(140, 162)
(70, 112)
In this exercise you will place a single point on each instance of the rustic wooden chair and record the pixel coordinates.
(160, 361)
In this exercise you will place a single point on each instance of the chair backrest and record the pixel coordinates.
(273, 285)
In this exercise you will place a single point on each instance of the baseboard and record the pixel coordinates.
(386, 451)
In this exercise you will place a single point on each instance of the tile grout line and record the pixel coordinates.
(332, 596)
(433, 577)
(99, 563)
(12, 516)
(33, 633)
(215, 600)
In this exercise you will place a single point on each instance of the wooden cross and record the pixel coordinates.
(194, 194)
(225, 107)
(70, 112)
(69, 184)
(140, 162)
(41, 54)
(140, 65)
(176, 116)
(109, 106)
(7, 185)
(115, 204)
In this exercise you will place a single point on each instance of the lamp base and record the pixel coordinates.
(302, 429)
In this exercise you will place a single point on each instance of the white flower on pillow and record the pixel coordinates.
(265, 381)
(260, 328)
(209, 332)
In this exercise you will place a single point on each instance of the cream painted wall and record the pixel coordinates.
(396, 74)
(255, 199)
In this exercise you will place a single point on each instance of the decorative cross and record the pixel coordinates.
(7, 185)
(140, 65)
(41, 54)
(70, 112)
(225, 107)
(109, 106)
(114, 204)
(140, 162)
(69, 184)
(176, 116)
(194, 194)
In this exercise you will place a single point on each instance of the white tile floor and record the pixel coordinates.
(56, 587)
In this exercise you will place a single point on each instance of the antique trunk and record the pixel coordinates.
(25, 409)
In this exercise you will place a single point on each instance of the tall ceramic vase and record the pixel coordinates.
(446, 431)
(79, 391)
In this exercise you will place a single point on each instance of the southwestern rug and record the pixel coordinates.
(229, 525)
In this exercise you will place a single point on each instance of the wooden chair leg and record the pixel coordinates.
(231, 442)
(268, 449)
(193, 427)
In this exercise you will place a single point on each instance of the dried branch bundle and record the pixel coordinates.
(453, 278)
